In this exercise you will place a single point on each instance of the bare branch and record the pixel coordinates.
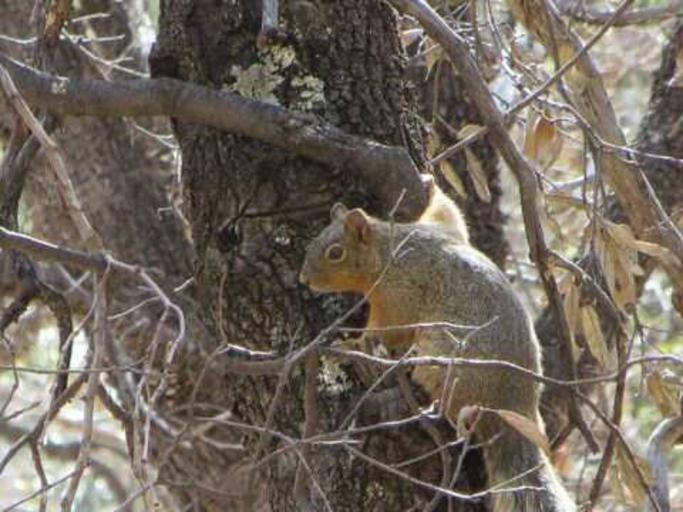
(662, 440)
(66, 188)
(97, 348)
(45, 251)
(626, 448)
(301, 133)
(593, 15)
(39, 492)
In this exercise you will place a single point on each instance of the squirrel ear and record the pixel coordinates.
(357, 223)
(338, 211)
(428, 184)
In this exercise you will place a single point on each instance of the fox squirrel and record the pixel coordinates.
(421, 273)
(442, 212)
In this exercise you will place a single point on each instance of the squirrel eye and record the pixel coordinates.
(335, 253)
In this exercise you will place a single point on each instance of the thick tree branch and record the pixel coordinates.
(386, 170)
(46, 251)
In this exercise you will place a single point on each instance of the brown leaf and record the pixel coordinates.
(543, 143)
(433, 55)
(663, 254)
(563, 201)
(467, 130)
(481, 185)
(590, 325)
(433, 144)
(607, 262)
(549, 142)
(617, 487)
(624, 268)
(528, 428)
(621, 233)
(550, 220)
(448, 171)
(628, 477)
(666, 396)
(576, 79)
(529, 148)
(571, 309)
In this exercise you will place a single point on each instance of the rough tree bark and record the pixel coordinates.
(252, 209)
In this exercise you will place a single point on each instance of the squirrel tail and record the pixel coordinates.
(515, 463)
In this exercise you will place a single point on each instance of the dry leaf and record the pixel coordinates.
(548, 142)
(617, 487)
(656, 251)
(629, 478)
(561, 200)
(665, 396)
(448, 171)
(433, 55)
(590, 325)
(616, 246)
(624, 236)
(624, 268)
(433, 144)
(409, 36)
(564, 278)
(529, 148)
(481, 185)
(608, 265)
(543, 142)
(467, 130)
(528, 428)
(577, 80)
(621, 233)
(571, 309)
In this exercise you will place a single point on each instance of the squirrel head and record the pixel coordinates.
(345, 255)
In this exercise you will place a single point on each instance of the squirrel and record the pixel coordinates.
(415, 274)
(442, 212)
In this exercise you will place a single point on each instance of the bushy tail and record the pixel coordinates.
(522, 477)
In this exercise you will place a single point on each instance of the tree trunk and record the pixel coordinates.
(252, 209)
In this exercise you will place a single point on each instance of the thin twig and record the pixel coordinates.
(642, 480)
(88, 235)
(39, 492)
(98, 344)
